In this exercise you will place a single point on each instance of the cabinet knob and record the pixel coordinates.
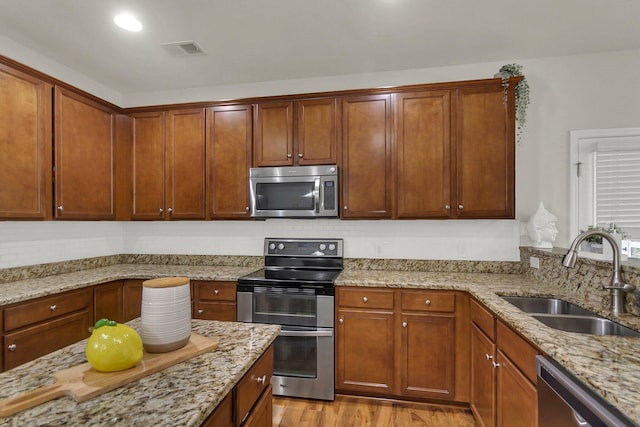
(365, 299)
(216, 292)
(60, 208)
(341, 321)
(246, 208)
(53, 307)
(345, 207)
(170, 210)
(200, 311)
(288, 155)
(488, 356)
(447, 207)
(262, 379)
(494, 364)
(160, 211)
(427, 302)
(404, 324)
(11, 347)
(300, 155)
(460, 207)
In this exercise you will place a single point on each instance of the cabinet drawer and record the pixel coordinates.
(483, 318)
(516, 348)
(214, 291)
(428, 301)
(366, 298)
(30, 343)
(253, 384)
(47, 308)
(215, 311)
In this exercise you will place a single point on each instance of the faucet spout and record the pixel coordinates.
(618, 287)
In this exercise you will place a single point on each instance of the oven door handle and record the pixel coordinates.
(306, 333)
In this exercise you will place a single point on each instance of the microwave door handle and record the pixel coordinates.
(316, 194)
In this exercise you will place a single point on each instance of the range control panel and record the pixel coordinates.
(303, 247)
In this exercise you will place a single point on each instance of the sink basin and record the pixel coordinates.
(547, 305)
(593, 325)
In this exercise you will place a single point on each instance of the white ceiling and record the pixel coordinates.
(267, 40)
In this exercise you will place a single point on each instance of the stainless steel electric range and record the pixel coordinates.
(296, 290)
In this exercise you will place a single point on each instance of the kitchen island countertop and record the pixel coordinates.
(181, 395)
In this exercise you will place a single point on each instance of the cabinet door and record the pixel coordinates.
(483, 378)
(25, 144)
(367, 179)
(517, 398)
(427, 356)
(132, 304)
(185, 164)
(273, 138)
(229, 156)
(84, 157)
(423, 154)
(485, 158)
(262, 414)
(316, 132)
(148, 165)
(108, 301)
(364, 353)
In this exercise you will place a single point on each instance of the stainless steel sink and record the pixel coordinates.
(593, 325)
(565, 316)
(547, 305)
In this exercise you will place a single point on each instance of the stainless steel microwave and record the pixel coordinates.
(294, 192)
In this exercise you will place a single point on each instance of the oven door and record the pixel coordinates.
(303, 363)
(285, 306)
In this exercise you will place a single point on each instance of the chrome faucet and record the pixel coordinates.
(618, 287)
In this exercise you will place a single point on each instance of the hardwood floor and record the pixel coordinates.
(347, 411)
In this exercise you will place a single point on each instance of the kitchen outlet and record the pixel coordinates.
(534, 262)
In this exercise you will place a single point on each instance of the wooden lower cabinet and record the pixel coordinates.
(250, 403)
(503, 390)
(214, 300)
(132, 298)
(403, 343)
(108, 300)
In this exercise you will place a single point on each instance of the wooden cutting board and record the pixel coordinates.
(82, 382)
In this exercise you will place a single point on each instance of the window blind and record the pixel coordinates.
(617, 190)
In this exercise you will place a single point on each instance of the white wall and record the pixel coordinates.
(599, 90)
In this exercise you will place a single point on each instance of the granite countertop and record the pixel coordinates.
(181, 395)
(609, 365)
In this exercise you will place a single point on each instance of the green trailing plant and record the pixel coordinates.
(612, 229)
(521, 92)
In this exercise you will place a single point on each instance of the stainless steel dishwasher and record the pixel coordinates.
(564, 401)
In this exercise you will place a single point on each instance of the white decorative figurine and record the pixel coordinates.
(542, 228)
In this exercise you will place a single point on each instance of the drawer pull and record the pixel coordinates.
(53, 307)
(428, 302)
(365, 299)
(11, 347)
(262, 380)
(341, 321)
(216, 292)
(404, 324)
(494, 364)
(488, 356)
(200, 311)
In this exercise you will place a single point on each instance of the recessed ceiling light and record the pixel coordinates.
(127, 22)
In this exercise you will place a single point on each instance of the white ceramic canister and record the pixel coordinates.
(166, 314)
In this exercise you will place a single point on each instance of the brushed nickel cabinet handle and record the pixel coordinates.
(300, 155)
(200, 311)
(427, 302)
(447, 207)
(246, 208)
(494, 364)
(12, 347)
(53, 307)
(160, 211)
(216, 292)
(60, 208)
(262, 379)
(404, 324)
(341, 321)
(460, 207)
(170, 210)
(289, 155)
(488, 356)
(365, 299)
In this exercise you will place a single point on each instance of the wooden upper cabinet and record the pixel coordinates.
(485, 152)
(316, 135)
(185, 164)
(168, 164)
(25, 146)
(84, 157)
(229, 148)
(301, 133)
(273, 139)
(423, 146)
(367, 180)
(148, 165)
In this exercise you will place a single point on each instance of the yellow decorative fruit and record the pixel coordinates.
(113, 346)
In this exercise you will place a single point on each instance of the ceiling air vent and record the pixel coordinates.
(187, 48)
